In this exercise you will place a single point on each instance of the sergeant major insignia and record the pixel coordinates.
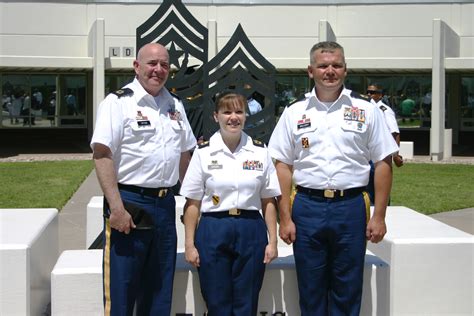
(203, 144)
(258, 143)
(123, 92)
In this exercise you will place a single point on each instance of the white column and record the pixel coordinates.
(212, 38)
(325, 32)
(438, 92)
(98, 53)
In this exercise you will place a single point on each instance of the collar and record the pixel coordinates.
(216, 143)
(164, 97)
(343, 98)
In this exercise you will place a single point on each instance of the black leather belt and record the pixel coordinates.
(330, 193)
(234, 212)
(153, 192)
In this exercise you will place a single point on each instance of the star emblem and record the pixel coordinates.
(175, 54)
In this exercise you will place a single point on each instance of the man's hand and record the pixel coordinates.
(271, 252)
(398, 160)
(191, 255)
(376, 230)
(121, 220)
(288, 231)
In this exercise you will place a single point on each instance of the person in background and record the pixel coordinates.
(26, 110)
(323, 144)
(254, 106)
(16, 106)
(375, 92)
(71, 103)
(407, 106)
(141, 147)
(230, 178)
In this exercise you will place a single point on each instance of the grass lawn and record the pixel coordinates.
(45, 184)
(433, 188)
(427, 188)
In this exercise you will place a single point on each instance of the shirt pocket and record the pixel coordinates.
(353, 132)
(354, 126)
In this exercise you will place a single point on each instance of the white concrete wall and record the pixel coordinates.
(28, 251)
(374, 36)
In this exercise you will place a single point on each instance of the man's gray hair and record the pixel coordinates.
(325, 47)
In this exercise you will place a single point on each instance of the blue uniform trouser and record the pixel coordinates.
(231, 252)
(329, 253)
(138, 268)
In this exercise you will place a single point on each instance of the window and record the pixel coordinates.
(409, 96)
(43, 100)
(113, 82)
(467, 103)
(289, 88)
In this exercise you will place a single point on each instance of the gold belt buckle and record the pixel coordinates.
(234, 212)
(328, 193)
(162, 193)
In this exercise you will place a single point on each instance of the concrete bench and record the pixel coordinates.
(431, 265)
(28, 251)
(80, 272)
(421, 253)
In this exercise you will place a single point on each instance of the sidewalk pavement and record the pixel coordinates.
(72, 218)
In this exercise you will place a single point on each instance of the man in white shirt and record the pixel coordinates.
(323, 143)
(141, 143)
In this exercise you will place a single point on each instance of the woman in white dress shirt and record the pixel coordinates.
(229, 179)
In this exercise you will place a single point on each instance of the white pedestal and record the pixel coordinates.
(406, 150)
(76, 283)
(28, 250)
(94, 221)
(448, 143)
(431, 265)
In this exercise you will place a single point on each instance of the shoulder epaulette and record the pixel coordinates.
(175, 95)
(258, 143)
(123, 92)
(203, 144)
(383, 108)
(300, 98)
(359, 96)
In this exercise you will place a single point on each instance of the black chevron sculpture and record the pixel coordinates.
(174, 27)
(241, 67)
(237, 66)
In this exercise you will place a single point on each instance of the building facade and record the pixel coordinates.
(58, 59)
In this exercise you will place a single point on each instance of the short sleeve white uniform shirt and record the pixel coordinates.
(389, 116)
(330, 145)
(146, 135)
(225, 180)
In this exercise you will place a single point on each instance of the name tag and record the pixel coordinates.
(143, 123)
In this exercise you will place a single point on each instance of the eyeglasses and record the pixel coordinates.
(369, 92)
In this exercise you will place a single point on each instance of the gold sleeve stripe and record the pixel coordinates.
(367, 210)
(107, 268)
(367, 206)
